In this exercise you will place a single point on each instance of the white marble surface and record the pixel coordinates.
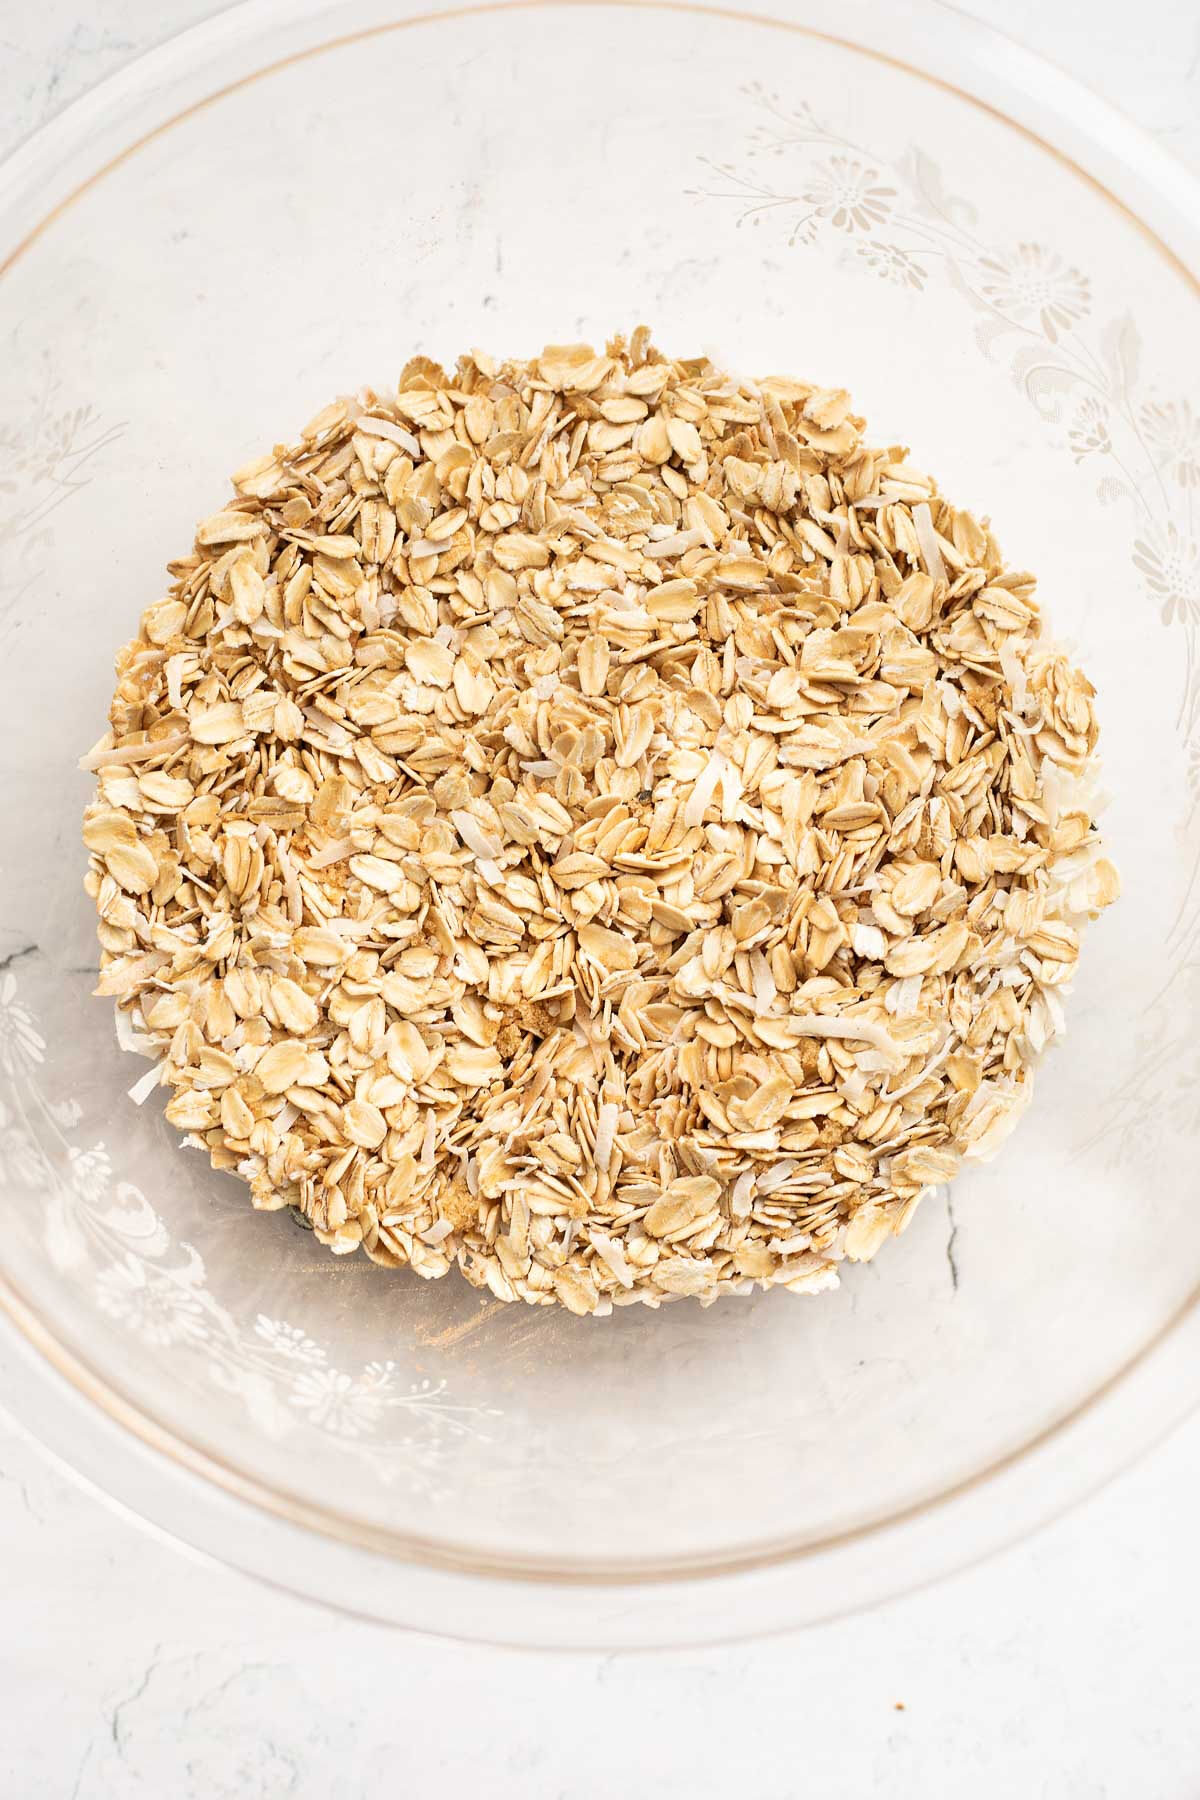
(1065, 1669)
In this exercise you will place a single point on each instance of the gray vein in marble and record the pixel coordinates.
(951, 1240)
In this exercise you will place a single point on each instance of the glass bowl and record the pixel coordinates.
(288, 202)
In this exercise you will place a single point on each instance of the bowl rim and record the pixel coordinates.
(39, 181)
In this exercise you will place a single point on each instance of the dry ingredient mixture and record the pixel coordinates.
(597, 822)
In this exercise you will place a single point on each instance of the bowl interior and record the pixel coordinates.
(787, 203)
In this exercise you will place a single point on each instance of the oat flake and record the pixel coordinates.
(596, 822)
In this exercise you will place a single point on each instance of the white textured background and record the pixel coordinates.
(1068, 1669)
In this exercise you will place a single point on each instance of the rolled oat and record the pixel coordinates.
(596, 822)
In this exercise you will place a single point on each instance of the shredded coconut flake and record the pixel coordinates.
(474, 836)
(861, 1030)
(104, 756)
(703, 789)
(765, 991)
(335, 851)
(606, 1127)
(928, 540)
(775, 1177)
(868, 941)
(613, 1257)
(130, 1038)
(904, 997)
(676, 545)
(387, 428)
(145, 1085)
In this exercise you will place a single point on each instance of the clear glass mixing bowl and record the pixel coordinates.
(287, 203)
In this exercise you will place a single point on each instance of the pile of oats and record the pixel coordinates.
(598, 822)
